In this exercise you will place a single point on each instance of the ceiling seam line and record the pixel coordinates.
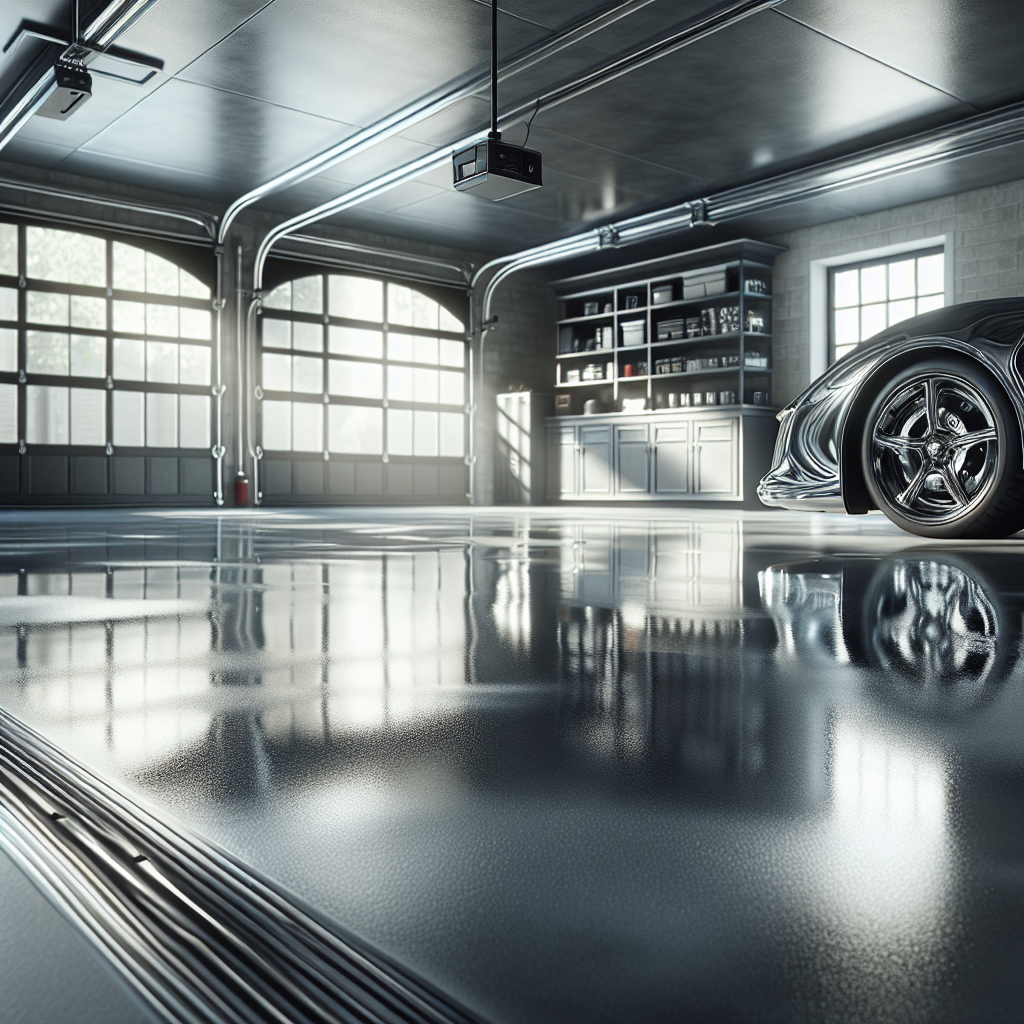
(518, 17)
(212, 46)
(878, 60)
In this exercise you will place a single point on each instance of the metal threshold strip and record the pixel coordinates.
(198, 935)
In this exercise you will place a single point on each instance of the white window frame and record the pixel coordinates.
(818, 280)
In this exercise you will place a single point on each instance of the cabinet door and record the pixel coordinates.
(562, 463)
(672, 459)
(716, 458)
(595, 460)
(631, 461)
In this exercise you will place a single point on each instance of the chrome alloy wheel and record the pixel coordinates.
(935, 448)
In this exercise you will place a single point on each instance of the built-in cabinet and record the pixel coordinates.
(711, 455)
(663, 378)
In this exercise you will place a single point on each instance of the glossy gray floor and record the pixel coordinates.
(569, 767)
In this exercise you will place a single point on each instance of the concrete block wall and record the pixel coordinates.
(519, 351)
(987, 227)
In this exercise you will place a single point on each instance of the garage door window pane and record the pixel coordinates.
(277, 372)
(88, 356)
(162, 320)
(307, 295)
(88, 416)
(360, 380)
(400, 431)
(452, 353)
(47, 415)
(277, 426)
(8, 350)
(277, 333)
(8, 304)
(129, 317)
(195, 323)
(8, 413)
(8, 249)
(400, 347)
(400, 383)
(356, 298)
(47, 308)
(195, 364)
(307, 427)
(307, 337)
(195, 421)
(411, 308)
(452, 388)
(65, 256)
(129, 359)
(424, 432)
(353, 341)
(280, 297)
(128, 419)
(307, 375)
(452, 435)
(162, 362)
(89, 311)
(424, 386)
(46, 353)
(161, 275)
(129, 268)
(355, 430)
(425, 351)
(449, 322)
(161, 421)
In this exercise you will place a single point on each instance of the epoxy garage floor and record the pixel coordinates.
(589, 766)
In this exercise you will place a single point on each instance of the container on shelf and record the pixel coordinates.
(710, 397)
(591, 407)
(726, 397)
(634, 404)
(633, 333)
(700, 286)
(760, 398)
(591, 308)
(661, 294)
(755, 322)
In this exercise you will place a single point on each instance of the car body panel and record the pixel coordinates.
(820, 430)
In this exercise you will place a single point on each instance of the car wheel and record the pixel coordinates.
(942, 455)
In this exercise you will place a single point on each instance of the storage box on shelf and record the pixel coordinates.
(666, 338)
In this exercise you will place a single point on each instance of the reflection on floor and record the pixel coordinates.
(646, 766)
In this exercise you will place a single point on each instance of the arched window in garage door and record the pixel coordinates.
(363, 393)
(106, 367)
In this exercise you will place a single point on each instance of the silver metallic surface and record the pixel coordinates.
(583, 766)
(815, 426)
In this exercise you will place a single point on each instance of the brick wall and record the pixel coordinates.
(988, 261)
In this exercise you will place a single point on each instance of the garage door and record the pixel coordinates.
(105, 372)
(362, 394)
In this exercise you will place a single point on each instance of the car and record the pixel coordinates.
(924, 421)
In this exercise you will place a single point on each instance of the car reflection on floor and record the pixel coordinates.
(581, 767)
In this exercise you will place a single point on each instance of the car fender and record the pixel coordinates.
(915, 350)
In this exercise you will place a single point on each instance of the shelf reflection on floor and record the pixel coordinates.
(749, 766)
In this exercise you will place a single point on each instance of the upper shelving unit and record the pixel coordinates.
(650, 326)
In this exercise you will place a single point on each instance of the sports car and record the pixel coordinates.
(924, 421)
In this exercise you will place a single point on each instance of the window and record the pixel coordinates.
(101, 343)
(867, 297)
(359, 368)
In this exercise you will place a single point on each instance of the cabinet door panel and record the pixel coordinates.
(716, 458)
(671, 459)
(596, 461)
(631, 452)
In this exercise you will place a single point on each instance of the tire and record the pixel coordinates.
(941, 452)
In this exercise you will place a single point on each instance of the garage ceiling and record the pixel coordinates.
(250, 88)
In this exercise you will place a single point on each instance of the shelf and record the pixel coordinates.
(707, 373)
(720, 297)
(639, 376)
(592, 353)
(585, 319)
(607, 381)
(635, 309)
(705, 338)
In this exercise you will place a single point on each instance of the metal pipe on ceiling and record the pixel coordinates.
(34, 87)
(697, 28)
(422, 109)
(463, 270)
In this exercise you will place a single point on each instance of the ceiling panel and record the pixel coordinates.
(973, 49)
(179, 31)
(228, 137)
(143, 174)
(355, 60)
(385, 156)
(35, 154)
(761, 94)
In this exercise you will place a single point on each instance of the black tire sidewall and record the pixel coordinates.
(1008, 456)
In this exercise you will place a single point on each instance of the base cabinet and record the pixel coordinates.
(709, 456)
